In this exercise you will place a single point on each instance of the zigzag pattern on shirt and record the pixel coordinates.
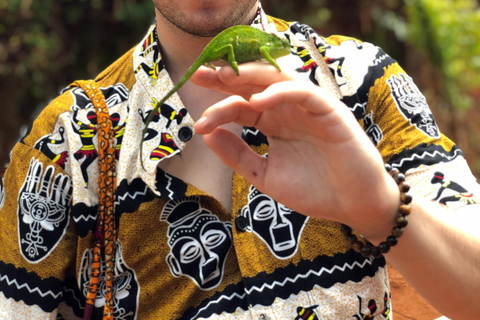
(264, 288)
(129, 196)
(380, 59)
(253, 137)
(362, 107)
(282, 284)
(357, 103)
(251, 131)
(427, 154)
(309, 273)
(169, 184)
(214, 302)
(137, 193)
(423, 155)
(19, 286)
(85, 218)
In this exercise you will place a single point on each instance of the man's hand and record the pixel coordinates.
(320, 162)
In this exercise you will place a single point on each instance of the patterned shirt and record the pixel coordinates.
(179, 253)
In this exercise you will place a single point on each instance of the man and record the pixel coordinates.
(193, 235)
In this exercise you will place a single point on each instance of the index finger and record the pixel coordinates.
(253, 78)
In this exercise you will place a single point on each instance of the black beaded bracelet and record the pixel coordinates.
(368, 249)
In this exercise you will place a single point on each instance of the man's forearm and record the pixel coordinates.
(439, 255)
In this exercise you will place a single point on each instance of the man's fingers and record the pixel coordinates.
(307, 95)
(237, 155)
(207, 77)
(254, 78)
(252, 73)
(232, 109)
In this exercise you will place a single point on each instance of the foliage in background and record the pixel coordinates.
(45, 45)
(448, 33)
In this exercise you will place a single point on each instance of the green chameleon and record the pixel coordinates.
(236, 44)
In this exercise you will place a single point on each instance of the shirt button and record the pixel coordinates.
(185, 134)
(241, 223)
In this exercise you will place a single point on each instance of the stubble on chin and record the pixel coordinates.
(208, 22)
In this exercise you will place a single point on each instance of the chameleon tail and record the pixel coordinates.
(183, 80)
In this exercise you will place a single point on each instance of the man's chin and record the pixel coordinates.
(206, 30)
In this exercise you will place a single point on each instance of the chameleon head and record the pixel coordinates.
(280, 47)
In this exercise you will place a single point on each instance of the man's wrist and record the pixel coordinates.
(384, 232)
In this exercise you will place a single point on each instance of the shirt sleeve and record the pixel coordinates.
(399, 121)
(396, 116)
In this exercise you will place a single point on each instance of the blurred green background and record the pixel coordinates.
(45, 45)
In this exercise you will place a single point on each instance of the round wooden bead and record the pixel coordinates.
(376, 252)
(383, 247)
(399, 178)
(351, 238)
(392, 241)
(397, 232)
(402, 221)
(394, 171)
(367, 250)
(357, 246)
(345, 230)
(404, 187)
(406, 198)
(405, 209)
